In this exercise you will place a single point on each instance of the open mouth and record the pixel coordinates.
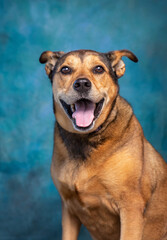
(83, 112)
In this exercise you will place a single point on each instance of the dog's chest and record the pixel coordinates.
(93, 204)
(85, 194)
(83, 191)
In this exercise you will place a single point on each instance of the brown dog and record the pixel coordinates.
(109, 176)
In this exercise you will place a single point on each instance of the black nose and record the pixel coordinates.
(82, 85)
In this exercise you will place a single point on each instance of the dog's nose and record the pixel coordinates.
(82, 85)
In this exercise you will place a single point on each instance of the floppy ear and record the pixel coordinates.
(50, 58)
(117, 64)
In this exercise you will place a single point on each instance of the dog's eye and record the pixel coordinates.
(98, 69)
(65, 70)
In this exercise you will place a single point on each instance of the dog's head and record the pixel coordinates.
(84, 86)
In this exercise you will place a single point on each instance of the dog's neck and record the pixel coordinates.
(80, 146)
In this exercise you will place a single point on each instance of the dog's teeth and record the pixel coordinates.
(72, 107)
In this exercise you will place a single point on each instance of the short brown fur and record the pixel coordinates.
(109, 177)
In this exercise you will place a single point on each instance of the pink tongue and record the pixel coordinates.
(84, 113)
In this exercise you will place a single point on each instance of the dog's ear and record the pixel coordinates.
(50, 58)
(117, 64)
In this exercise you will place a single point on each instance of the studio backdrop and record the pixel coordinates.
(30, 206)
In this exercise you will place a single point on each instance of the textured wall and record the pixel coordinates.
(29, 203)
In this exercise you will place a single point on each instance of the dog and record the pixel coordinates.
(109, 176)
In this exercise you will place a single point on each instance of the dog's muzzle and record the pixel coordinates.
(83, 112)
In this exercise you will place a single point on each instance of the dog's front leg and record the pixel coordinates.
(70, 225)
(131, 224)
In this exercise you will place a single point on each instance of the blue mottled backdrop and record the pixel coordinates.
(30, 206)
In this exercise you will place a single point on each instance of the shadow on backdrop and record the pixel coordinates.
(30, 207)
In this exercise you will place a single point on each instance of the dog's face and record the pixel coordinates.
(84, 86)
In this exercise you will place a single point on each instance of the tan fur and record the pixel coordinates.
(120, 190)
